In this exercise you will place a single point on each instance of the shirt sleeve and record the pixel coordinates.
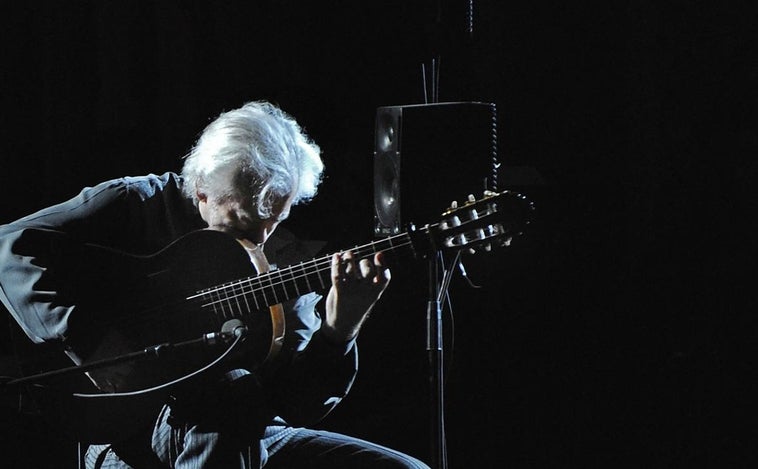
(44, 262)
(34, 287)
(312, 375)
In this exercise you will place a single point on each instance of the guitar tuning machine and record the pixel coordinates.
(470, 200)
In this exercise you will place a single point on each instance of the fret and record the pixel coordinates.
(315, 271)
(223, 301)
(271, 288)
(291, 271)
(244, 295)
(236, 297)
(257, 293)
(230, 299)
(252, 289)
(260, 288)
(279, 287)
(373, 248)
(251, 294)
(320, 271)
(293, 291)
(217, 303)
(305, 277)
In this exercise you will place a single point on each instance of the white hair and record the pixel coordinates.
(256, 151)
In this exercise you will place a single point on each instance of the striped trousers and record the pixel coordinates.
(282, 447)
(223, 437)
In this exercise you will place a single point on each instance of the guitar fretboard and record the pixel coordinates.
(254, 294)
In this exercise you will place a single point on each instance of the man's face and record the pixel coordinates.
(240, 218)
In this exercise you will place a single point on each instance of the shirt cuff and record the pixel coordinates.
(322, 342)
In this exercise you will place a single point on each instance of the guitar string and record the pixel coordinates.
(245, 287)
(266, 282)
(151, 319)
(309, 268)
(257, 285)
(314, 267)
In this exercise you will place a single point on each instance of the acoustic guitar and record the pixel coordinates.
(164, 320)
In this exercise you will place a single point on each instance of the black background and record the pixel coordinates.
(615, 333)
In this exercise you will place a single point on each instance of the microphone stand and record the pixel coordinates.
(434, 347)
(151, 352)
(232, 330)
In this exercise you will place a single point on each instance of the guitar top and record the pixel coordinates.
(191, 288)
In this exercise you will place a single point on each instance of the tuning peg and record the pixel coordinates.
(453, 205)
(484, 247)
(506, 242)
(471, 198)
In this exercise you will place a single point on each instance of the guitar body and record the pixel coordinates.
(128, 303)
(131, 303)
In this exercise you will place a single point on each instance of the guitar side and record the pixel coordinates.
(135, 302)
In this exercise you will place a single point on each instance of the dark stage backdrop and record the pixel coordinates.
(613, 334)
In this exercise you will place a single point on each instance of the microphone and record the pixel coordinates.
(232, 329)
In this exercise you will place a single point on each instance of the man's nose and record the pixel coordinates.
(267, 228)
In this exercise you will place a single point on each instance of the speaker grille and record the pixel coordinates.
(426, 156)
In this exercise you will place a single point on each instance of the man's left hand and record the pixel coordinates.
(356, 287)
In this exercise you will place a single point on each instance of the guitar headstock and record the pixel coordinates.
(493, 220)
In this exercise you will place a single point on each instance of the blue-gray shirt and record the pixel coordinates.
(141, 215)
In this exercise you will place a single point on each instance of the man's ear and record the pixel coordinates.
(202, 204)
(201, 196)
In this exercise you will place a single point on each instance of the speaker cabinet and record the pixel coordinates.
(426, 156)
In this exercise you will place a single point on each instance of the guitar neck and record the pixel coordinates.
(496, 218)
(253, 294)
